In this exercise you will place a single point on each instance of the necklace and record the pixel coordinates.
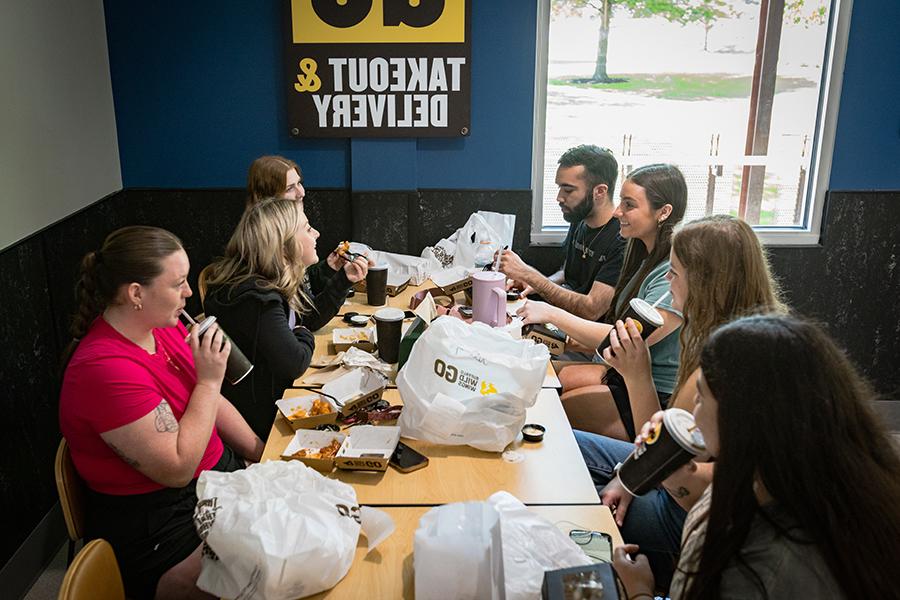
(584, 247)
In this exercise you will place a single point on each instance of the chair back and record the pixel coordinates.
(93, 575)
(71, 492)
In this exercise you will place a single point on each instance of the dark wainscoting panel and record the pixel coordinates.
(382, 220)
(851, 282)
(28, 368)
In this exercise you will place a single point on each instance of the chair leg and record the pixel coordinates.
(71, 553)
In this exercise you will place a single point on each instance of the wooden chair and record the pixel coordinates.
(93, 575)
(71, 496)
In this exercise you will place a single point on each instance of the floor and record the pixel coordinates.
(47, 585)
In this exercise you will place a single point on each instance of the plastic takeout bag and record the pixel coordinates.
(457, 553)
(469, 384)
(277, 530)
(459, 249)
(498, 549)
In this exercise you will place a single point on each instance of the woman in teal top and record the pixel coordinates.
(597, 399)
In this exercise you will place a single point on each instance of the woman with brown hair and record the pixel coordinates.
(653, 199)
(142, 412)
(718, 272)
(274, 177)
(328, 281)
(806, 497)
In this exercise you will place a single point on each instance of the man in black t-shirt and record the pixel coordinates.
(593, 249)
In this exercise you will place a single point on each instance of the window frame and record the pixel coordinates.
(808, 234)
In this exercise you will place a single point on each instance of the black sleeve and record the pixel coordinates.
(319, 275)
(608, 272)
(328, 301)
(287, 352)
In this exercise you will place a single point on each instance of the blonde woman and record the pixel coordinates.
(329, 280)
(718, 272)
(255, 292)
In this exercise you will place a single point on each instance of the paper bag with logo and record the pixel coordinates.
(469, 384)
(275, 530)
(458, 553)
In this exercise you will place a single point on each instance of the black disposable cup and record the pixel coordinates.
(376, 285)
(671, 445)
(238, 366)
(388, 325)
(641, 312)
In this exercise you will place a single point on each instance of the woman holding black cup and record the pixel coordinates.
(255, 292)
(328, 281)
(141, 410)
(652, 202)
(718, 272)
(805, 501)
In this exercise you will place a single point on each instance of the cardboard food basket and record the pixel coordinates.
(548, 335)
(291, 409)
(360, 337)
(362, 448)
(355, 390)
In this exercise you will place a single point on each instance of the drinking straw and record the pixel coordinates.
(661, 298)
(185, 314)
(497, 259)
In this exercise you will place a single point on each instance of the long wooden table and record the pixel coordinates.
(551, 472)
(388, 571)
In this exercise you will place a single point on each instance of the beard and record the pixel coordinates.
(581, 210)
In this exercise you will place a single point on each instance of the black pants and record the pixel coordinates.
(150, 533)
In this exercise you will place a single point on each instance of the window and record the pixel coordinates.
(740, 94)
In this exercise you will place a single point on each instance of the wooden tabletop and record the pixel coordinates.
(388, 571)
(550, 472)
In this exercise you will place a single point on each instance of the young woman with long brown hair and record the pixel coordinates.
(142, 411)
(653, 199)
(718, 272)
(805, 501)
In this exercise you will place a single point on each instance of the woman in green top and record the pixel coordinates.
(652, 202)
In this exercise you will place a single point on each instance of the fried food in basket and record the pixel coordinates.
(319, 407)
(327, 452)
(343, 248)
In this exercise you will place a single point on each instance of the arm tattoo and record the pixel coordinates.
(165, 420)
(128, 461)
(681, 492)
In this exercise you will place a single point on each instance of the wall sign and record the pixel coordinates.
(378, 68)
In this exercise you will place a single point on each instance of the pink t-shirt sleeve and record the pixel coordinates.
(120, 392)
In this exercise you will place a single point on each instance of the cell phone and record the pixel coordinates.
(465, 311)
(596, 544)
(406, 460)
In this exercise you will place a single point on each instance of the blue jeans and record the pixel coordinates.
(654, 521)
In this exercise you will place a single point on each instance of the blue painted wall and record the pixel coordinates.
(867, 143)
(198, 95)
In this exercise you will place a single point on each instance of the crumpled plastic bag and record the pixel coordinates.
(277, 530)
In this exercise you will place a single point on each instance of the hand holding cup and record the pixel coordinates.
(210, 350)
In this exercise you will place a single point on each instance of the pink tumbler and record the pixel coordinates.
(489, 297)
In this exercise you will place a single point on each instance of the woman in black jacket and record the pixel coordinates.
(255, 291)
(327, 281)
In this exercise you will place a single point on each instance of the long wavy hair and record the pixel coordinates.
(728, 276)
(264, 247)
(128, 255)
(794, 416)
(663, 184)
(267, 177)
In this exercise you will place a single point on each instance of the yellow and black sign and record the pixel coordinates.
(378, 68)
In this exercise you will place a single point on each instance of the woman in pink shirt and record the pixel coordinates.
(142, 412)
